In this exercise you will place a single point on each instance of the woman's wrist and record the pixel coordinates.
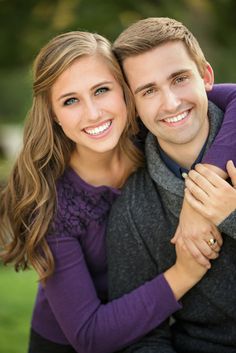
(179, 281)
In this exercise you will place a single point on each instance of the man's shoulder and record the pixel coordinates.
(138, 185)
(138, 194)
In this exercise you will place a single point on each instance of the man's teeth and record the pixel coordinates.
(176, 118)
(99, 129)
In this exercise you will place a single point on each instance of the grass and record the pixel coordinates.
(17, 294)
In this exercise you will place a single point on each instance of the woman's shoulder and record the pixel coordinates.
(79, 203)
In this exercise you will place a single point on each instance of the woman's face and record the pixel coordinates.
(89, 104)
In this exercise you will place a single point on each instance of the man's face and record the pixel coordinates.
(170, 94)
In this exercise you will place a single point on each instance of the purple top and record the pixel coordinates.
(72, 308)
(224, 146)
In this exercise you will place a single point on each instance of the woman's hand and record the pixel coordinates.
(187, 264)
(196, 232)
(210, 195)
(186, 271)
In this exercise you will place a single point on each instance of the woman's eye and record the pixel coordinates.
(70, 101)
(101, 90)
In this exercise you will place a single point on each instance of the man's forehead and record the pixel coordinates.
(169, 49)
(161, 63)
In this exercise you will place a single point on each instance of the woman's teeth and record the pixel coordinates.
(98, 130)
(177, 118)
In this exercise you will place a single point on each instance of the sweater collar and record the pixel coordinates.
(175, 167)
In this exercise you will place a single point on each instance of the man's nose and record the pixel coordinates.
(170, 101)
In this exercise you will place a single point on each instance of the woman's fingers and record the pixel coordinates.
(231, 172)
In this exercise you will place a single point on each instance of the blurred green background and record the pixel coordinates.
(25, 26)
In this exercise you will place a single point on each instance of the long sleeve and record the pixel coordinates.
(89, 325)
(224, 145)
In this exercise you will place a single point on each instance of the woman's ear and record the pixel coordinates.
(56, 120)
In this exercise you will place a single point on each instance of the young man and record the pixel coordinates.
(169, 76)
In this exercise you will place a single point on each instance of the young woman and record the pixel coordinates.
(76, 155)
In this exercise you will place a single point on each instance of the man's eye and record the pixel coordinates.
(101, 90)
(181, 79)
(70, 101)
(149, 92)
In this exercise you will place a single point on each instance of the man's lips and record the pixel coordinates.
(177, 119)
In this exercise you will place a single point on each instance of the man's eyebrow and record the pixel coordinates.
(141, 88)
(151, 84)
(179, 72)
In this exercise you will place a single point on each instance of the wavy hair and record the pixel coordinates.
(28, 201)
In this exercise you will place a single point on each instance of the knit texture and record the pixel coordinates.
(142, 222)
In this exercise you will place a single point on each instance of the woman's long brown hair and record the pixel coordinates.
(28, 201)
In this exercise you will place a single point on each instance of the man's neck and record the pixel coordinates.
(185, 154)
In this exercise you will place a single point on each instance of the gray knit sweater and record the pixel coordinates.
(142, 222)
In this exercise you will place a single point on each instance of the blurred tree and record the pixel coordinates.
(26, 25)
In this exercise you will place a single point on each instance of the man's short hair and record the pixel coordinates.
(149, 33)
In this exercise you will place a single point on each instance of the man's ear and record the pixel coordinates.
(208, 77)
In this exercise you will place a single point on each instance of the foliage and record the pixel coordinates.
(26, 25)
(15, 87)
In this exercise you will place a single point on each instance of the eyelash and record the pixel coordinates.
(149, 92)
(101, 90)
(180, 79)
(70, 101)
(177, 80)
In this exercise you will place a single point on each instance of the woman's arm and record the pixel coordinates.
(89, 325)
(223, 148)
(93, 327)
(193, 227)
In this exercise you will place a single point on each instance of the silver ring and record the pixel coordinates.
(211, 242)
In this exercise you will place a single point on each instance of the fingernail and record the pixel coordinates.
(184, 175)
